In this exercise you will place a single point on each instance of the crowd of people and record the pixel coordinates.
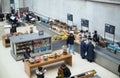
(86, 44)
(16, 18)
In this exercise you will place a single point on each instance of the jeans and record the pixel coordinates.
(71, 47)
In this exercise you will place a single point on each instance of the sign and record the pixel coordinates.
(109, 28)
(70, 17)
(84, 22)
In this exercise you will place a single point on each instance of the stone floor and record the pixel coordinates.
(9, 68)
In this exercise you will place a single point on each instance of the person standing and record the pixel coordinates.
(90, 52)
(13, 29)
(70, 42)
(83, 49)
(96, 37)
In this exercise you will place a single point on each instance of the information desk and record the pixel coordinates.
(67, 58)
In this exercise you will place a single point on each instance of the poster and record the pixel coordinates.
(84, 22)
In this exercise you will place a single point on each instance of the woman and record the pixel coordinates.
(83, 49)
(60, 73)
(90, 52)
(27, 53)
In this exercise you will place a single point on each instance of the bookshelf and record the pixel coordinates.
(38, 44)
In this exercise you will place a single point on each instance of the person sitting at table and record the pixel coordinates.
(66, 71)
(40, 72)
(60, 73)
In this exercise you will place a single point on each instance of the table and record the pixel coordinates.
(67, 58)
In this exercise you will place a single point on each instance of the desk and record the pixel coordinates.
(67, 58)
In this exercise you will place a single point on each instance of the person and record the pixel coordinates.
(95, 37)
(83, 49)
(66, 71)
(90, 52)
(70, 42)
(31, 29)
(1, 16)
(60, 73)
(81, 34)
(89, 36)
(13, 29)
(40, 72)
(27, 53)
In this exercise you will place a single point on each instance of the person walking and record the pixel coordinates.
(90, 52)
(70, 42)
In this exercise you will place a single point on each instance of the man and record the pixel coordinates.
(66, 71)
(70, 42)
(96, 37)
(13, 29)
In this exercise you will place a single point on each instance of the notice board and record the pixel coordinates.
(109, 28)
(85, 22)
(70, 17)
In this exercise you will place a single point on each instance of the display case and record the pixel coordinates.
(38, 44)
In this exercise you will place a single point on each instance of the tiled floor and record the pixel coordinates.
(9, 68)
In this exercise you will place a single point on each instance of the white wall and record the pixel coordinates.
(97, 13)
(19, 4)
(5, 6)
(29, 3)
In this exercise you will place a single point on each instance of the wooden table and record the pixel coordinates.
(6, 42)
(67, 58)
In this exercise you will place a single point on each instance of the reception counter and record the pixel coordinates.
(103, 56)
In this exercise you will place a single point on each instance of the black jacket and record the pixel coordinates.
(96, 38)
(70, 39)
(66, 72)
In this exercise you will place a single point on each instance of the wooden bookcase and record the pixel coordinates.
(39, 44)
